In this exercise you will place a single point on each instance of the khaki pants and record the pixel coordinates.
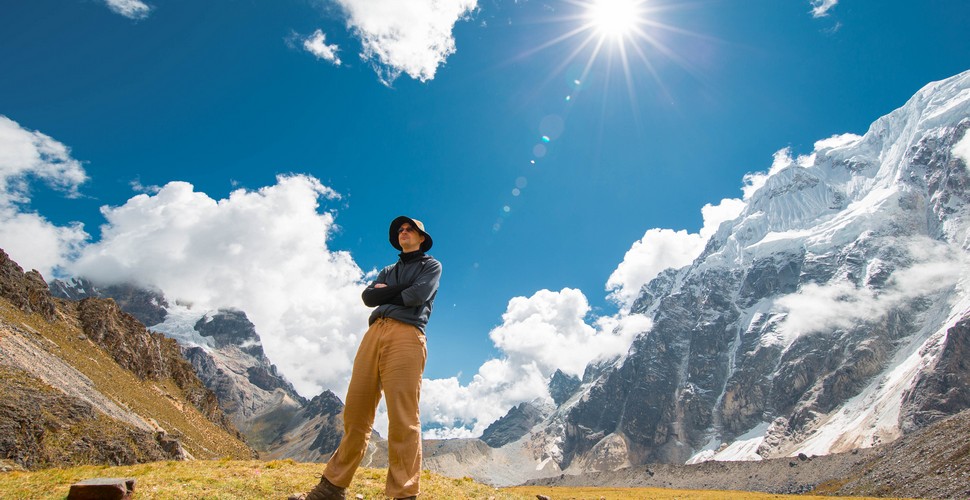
(391, 358)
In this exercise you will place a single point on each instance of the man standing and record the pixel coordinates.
(391, 358)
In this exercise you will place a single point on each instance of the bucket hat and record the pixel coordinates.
(415, 223)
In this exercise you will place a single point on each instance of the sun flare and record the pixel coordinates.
(614, 18)
(617, 36)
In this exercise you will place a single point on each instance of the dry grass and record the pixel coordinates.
(227, 479)
(253, 479)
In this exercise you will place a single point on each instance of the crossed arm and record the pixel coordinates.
(408, 295)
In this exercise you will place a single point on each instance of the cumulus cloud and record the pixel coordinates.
(35, 243)
(132, 9)
(413, 37)
(26, 154)
(962, 149)
(30, 239)
(820, 8)
(538, 335)
(262, 251)
(661, 249)
(316, 44)
(936, 267)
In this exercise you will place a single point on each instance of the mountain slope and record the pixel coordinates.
(226, 353)
(816, 322)
(84, 382)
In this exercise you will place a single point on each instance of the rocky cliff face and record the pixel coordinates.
(515, 424)
(830, 315)
(562, 386)
(238, 371)
(84, 382)
(26, 291)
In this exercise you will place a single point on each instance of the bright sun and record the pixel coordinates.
(620, 33)
(614, 18)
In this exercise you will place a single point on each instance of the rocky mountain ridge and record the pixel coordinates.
(84, 382)
(225, 351)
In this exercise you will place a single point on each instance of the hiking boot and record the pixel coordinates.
(323, 491)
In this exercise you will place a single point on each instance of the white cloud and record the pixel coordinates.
(661, 249)
(316, 44)
(264, 252)
(820, 8)
(549, 330)
(962, 149)
(28, 154)
(132, 9)
(413, 37)
(466, 411)
(30, 239)
(538, 335)
(34, 243)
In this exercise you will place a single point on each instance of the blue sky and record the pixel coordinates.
(225, 96)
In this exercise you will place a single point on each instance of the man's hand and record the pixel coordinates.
(380, 285)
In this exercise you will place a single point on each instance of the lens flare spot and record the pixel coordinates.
(539, 150)
(516, 192)
(551, 127)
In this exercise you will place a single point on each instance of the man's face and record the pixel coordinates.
(409, 238)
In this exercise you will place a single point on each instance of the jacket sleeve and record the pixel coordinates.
(368, 295)
(390, 294)
(424, 286)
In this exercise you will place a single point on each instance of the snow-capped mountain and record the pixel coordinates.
(826, 317)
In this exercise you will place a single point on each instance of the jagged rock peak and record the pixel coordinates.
(515, 424)
(27, 291)
(231, 327)
(325, 403)
(562, 386)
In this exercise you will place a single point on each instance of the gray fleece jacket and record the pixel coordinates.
(413, 281)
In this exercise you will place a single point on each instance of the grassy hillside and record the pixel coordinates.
(157, 401)
(232, 479)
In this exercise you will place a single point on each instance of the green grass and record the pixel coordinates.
(254, 479)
